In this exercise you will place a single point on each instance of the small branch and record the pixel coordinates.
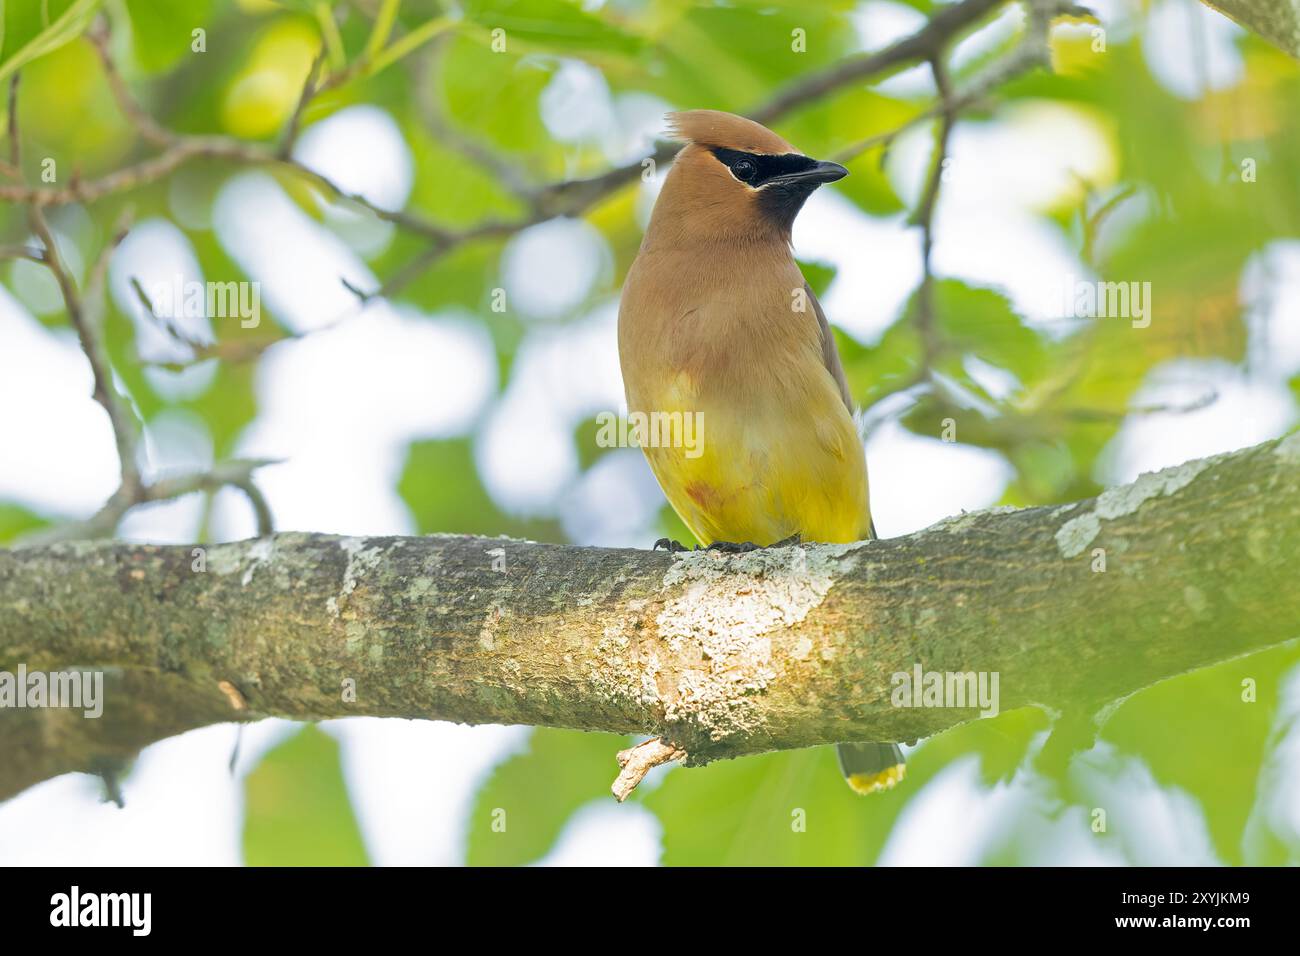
(368, 65)
(924, 215)
(640, 760)
(236, 473)
(1092, 223)
(331, 39)
(15, 146)
(924, 44)
(144, 124)
(382, 27)
(309, 90)
(261, 507)
(22, 252)
(84, 320)
(96, 291)
(182, 150)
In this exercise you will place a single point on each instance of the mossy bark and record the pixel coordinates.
(1277, 21)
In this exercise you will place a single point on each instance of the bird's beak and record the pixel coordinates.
(819, 172)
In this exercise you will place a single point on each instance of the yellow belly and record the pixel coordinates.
(773, 474)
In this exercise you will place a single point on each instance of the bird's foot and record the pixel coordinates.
(732, 547)
(669, 545)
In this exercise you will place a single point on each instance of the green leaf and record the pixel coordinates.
(1202, 732)
(29, 29)
(441, 486)
(494, 94)
(982, 322)
(748, 812)
(589, 450)
(874, 371)
(849, 119)
(524, 805)
(16, 520)
(819, 276)
(555, 26)
(780, 809)
(297, 811)
(162, 29)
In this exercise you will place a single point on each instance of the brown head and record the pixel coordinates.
(735, 181)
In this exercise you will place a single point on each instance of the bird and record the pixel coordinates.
(717, 321)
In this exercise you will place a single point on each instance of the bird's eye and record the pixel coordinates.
(744, 169)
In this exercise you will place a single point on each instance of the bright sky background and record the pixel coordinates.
(342, 404)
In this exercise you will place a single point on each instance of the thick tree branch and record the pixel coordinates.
(719, 655)
(1277, 21)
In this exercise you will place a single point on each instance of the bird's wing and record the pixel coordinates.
(829, 354)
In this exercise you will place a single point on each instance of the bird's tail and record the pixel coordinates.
(871, 767)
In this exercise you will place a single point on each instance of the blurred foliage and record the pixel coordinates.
(1188, 223)
(16, 520)
(527, 801)
(1206, 733)
(297, 809)
(456, 503)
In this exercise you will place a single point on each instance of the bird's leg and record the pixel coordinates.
(669, 545)
(796, 538)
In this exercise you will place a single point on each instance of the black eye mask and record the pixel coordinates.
(755, 169)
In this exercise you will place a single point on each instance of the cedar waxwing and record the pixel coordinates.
(717, 321)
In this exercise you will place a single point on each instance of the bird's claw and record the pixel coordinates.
(669, 545)
(728, 547)
(743, 547)
(732, 547)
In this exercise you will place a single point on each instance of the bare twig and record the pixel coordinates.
(22, 252)
(1092, 223)
(638, 761)
(235, 473)
(105, 392)
(924, 215)
(15, 148)
(924, 44)
(261, 507)
(182, 150)
(309, 90)
(144, 124)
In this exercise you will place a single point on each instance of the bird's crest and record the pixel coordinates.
(716, 128)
